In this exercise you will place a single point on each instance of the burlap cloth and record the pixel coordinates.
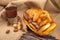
(16, 35)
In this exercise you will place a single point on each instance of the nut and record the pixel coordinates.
(15, 30)
(14, 25)
(19, 25)
(7, 31)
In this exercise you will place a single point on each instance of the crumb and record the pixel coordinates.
(8, 31)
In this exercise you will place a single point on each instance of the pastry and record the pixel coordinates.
(39, 21)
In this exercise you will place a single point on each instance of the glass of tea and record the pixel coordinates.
(11, 11)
